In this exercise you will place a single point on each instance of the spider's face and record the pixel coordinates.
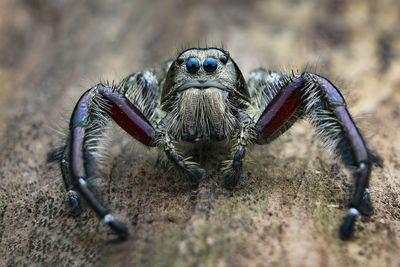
(203, 69)
(202, 91)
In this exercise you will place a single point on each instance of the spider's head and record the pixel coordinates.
(201, 69)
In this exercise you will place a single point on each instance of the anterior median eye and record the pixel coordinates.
(210, 64)
(193, 65)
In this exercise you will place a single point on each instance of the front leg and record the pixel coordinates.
(92, 112)
(317, 98)
(184, 165)
(232, 168)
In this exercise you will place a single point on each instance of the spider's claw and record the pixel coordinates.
(365, 205)
(118, 227)
(230, 178)
(375, 158)
(56, 154)
(76, 203)
(196, 174)
(347, 228)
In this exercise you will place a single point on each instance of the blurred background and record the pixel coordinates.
(288, 207)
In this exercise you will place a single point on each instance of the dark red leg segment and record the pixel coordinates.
(281, 109)
(129, 118)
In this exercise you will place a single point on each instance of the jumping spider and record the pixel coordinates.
(203, 96)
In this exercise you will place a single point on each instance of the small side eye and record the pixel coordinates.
(210, 64)
(224, 58)
(180, 60)
(193, 65)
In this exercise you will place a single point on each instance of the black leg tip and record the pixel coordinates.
(196, 174)
(365, 205)
(120, 228)
(55, 154)
(76, 203)
(347, 228)
(375, 158)
(230, 179)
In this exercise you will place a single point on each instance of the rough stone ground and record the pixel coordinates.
(288, 206)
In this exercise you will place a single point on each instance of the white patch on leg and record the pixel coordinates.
(353, 211)
(82, 182)
(108, 218)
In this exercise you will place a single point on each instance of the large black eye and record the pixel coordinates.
(193, 65)
(210, 64)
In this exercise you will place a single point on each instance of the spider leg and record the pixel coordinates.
(317, 98)
(62, 154)
(93, 110)
(74, 199)
(232, 167)
(189, 168)
(186, 166)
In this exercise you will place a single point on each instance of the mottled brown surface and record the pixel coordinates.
(287, 208)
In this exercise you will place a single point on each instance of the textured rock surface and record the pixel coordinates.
(291, 199)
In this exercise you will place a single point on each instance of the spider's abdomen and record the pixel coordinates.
(202, 114)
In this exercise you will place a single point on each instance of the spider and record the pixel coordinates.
(203, 96)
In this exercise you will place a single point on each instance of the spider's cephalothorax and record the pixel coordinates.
(202, 95)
